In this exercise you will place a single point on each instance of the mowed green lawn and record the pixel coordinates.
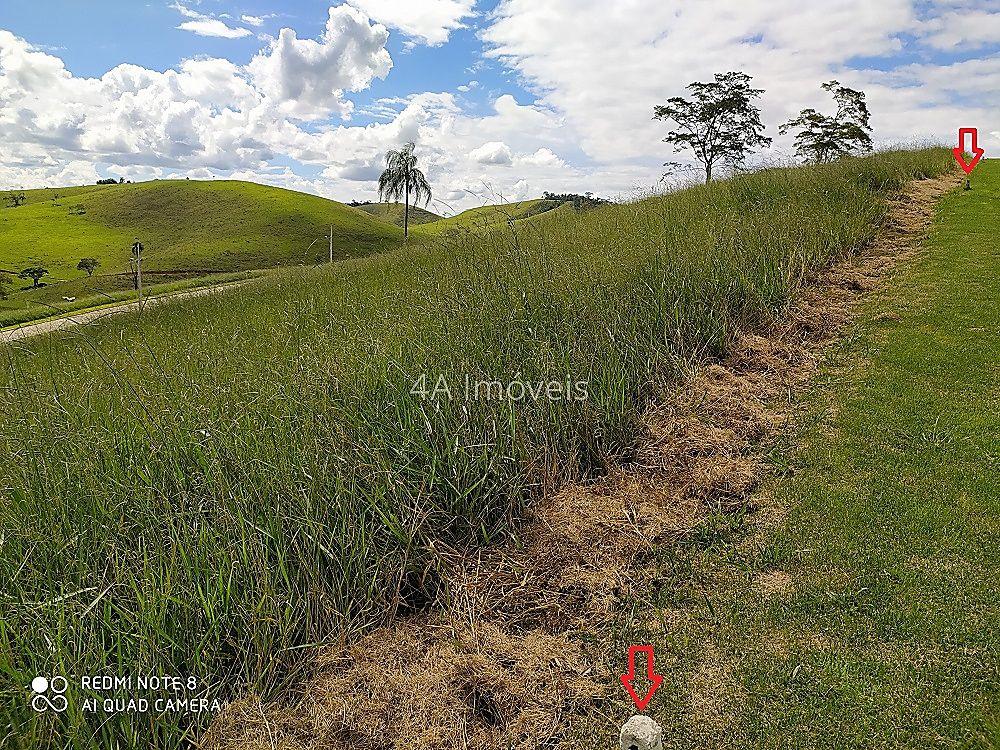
(888, 632)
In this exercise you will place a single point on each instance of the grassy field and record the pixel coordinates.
(93, 300)
(394, 213)
(887, 635)
(484, 218)
(219, 485)
(189, 228)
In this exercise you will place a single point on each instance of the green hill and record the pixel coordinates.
(484, 217)
(189, 228)
(393, 213)
(213, 225)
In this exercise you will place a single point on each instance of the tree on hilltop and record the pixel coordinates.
(401, 178)
(719, 122)
(821, 138)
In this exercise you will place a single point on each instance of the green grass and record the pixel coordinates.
(487, 217)
(890, 636)
(217, 486)
(394, 213)
(91, 301)
(189, 227)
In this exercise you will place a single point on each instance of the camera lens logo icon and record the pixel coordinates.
(49, 695)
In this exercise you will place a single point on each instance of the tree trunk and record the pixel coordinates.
(406, 212)
(708, 172)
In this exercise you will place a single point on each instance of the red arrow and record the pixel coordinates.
(628, 679)
(977, 153)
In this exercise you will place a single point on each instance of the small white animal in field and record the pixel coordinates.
(70, 299)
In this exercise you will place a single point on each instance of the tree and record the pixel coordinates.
(89, 265)
(401, 178)
(821, 138)
(35, 273)
(719, 123)
(14, 200)
(580, 202)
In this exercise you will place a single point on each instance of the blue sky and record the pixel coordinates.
(502, 97)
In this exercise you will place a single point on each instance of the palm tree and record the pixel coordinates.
(400, 178)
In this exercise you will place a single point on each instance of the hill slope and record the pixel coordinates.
(274, 442)
(393, 213)
(216, 225)
(483, 217)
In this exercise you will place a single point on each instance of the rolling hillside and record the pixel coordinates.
(393, 213)
(189, 229)
(483, 217)
(217, 226)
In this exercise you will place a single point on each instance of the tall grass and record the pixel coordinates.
(216, 487)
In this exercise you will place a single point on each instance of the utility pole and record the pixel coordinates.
(137, 249)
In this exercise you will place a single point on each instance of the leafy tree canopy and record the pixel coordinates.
(88, 264)
(718, 122)
(35, 273)
(13, 200)
(821, 138)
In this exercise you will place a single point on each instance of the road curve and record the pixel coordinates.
(49, 325)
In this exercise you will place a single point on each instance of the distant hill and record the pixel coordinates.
(206, 225)
(484, 217)
(393, 213)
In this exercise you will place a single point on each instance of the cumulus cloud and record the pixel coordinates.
(542, 157)
(209, 113)
(427, 21)
(307, 78)
(494, 152)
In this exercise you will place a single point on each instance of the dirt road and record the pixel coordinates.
(29, 330)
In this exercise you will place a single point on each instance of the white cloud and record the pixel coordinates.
(427, 21)
(494, 152)
(967, 27)
(213, 27)
(209, 113)
(204, 25)
(543, 157)
(255, 21)
(186, 11)
(603, 66)
(307, 78)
